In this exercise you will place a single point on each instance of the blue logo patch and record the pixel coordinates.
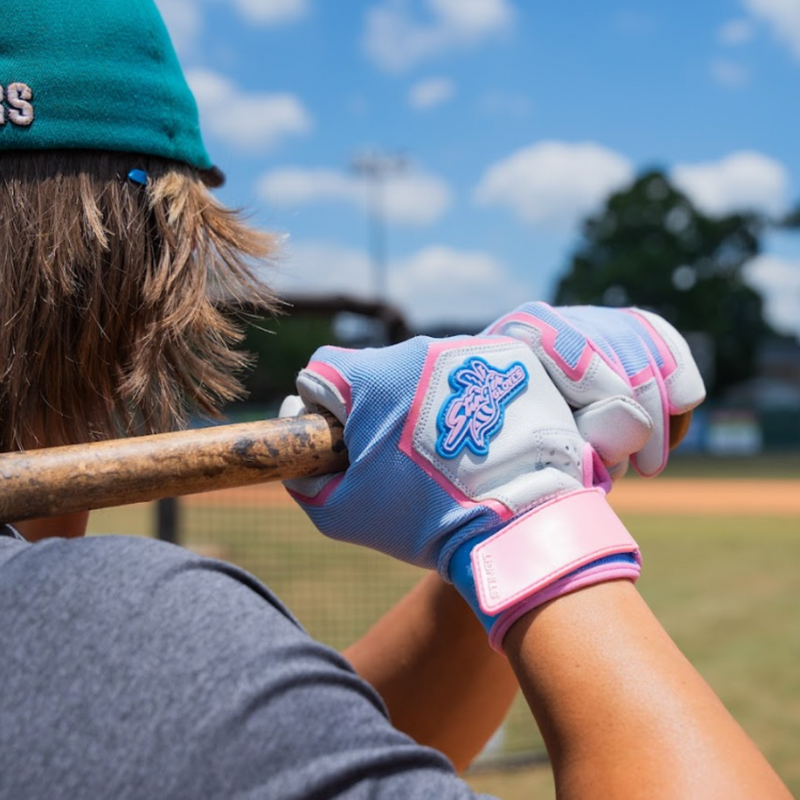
(471, 416)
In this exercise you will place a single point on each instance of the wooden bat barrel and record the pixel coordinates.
(60, 480)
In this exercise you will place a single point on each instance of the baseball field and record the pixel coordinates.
(721, 548)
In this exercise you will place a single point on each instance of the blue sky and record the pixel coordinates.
(502, 123)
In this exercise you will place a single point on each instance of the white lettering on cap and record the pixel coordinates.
(18, 97)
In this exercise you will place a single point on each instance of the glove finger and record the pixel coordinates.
(306, 490)
(682, 379)
(319, 384)
(292, 406)
(651, 352)
(615, 428)
(583, 373)
(652, 457)
(634, 345)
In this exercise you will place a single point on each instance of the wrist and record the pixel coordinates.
(568, 543)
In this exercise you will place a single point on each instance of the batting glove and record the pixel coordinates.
(465, 458)
(625, 371)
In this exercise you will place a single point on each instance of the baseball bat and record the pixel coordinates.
(60, 480)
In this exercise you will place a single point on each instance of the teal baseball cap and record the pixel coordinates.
(96, 75)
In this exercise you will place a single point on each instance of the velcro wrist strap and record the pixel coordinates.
(543, 546)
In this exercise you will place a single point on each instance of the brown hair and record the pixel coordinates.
(113, 296)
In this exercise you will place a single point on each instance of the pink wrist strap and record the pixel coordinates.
(545, 545)
(590, 575)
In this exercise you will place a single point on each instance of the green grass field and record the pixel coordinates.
(728, 591)
(726, 588)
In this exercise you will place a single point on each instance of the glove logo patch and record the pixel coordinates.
(471, 416)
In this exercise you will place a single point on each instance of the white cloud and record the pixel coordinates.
(433, 286)
(396, 41)
(431, 92)
(778, 280)
(505, 103)
(254, 121)
(742, 181)
(410, 198)
(735, 32)
(317, 268)
(633, 23)
(782, 16)
(473, 17)
(184, 21)
(294, 186)
(553, 184)
(439, 284)
(273, 12)
(416, 198)
(731, 74)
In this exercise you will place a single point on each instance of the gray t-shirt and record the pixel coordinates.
(134, 669)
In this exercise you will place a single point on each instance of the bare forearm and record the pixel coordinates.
(64, 526)
(429, 659)
(623, 713)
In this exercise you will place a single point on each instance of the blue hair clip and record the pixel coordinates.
(138, 176)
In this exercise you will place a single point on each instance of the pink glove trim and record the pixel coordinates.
(334, 377)
(670, 364)
(594, 471)
(544, 545)
(664, 406)
(570, 583)
(321, 497)
(657, 374)
(339, 382)
(548, 340)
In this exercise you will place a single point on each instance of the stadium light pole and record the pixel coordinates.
(375, 167)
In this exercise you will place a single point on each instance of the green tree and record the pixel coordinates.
(791, 220)
(280, 348)
(650, 247)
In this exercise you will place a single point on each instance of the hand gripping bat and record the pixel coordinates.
(60, 480)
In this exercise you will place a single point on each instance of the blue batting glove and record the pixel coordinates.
(625, 371)
(464, 458)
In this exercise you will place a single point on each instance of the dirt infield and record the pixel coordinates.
(719, 497)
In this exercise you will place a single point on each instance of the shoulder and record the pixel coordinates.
(184, 677)
(123, 574)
